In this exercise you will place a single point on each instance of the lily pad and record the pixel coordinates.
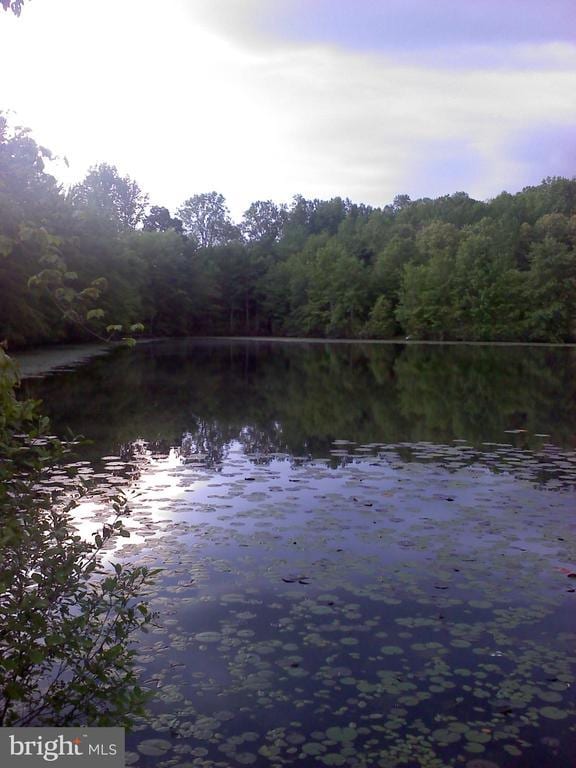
(333, 758)
(553, 713)
(341, 734)
(154, 747)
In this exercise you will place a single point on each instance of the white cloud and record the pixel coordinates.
(152, 89)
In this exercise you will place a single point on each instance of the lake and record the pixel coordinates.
(368, 549)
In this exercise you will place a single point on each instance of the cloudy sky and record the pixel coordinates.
(263, 99)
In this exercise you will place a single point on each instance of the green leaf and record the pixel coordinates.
(89, 293)
(55, 639)
(37, 655)
(66, 294)
(14, 691)
(95, 314)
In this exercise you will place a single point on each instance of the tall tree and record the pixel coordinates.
(117, 197)
(401, 202)
(31, 207)
(159, 220)
(263, 221)
(207, 221)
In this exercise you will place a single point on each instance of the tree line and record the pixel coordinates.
(74, 261)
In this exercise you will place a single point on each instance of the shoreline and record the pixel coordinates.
(36, 362)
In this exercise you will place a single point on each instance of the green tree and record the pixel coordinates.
(490, 299)
(172, 290)
(263, 222)
(428, 300)
(159, 220)
(390, 262)
(552, 290)
(207, 221)
(31, 210)
(381, 323)
(116, 197)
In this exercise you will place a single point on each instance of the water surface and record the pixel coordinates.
(368, 550)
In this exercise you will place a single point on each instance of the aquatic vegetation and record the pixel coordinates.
(346, 601)
(383, 610)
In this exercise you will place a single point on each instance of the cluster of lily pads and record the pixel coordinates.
(408, 605)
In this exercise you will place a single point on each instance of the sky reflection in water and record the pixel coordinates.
(403, 598)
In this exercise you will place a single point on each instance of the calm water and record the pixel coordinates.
(368, 550)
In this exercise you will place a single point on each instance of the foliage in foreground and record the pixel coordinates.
(66, 621)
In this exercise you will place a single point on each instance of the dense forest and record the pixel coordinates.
(76, 262)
